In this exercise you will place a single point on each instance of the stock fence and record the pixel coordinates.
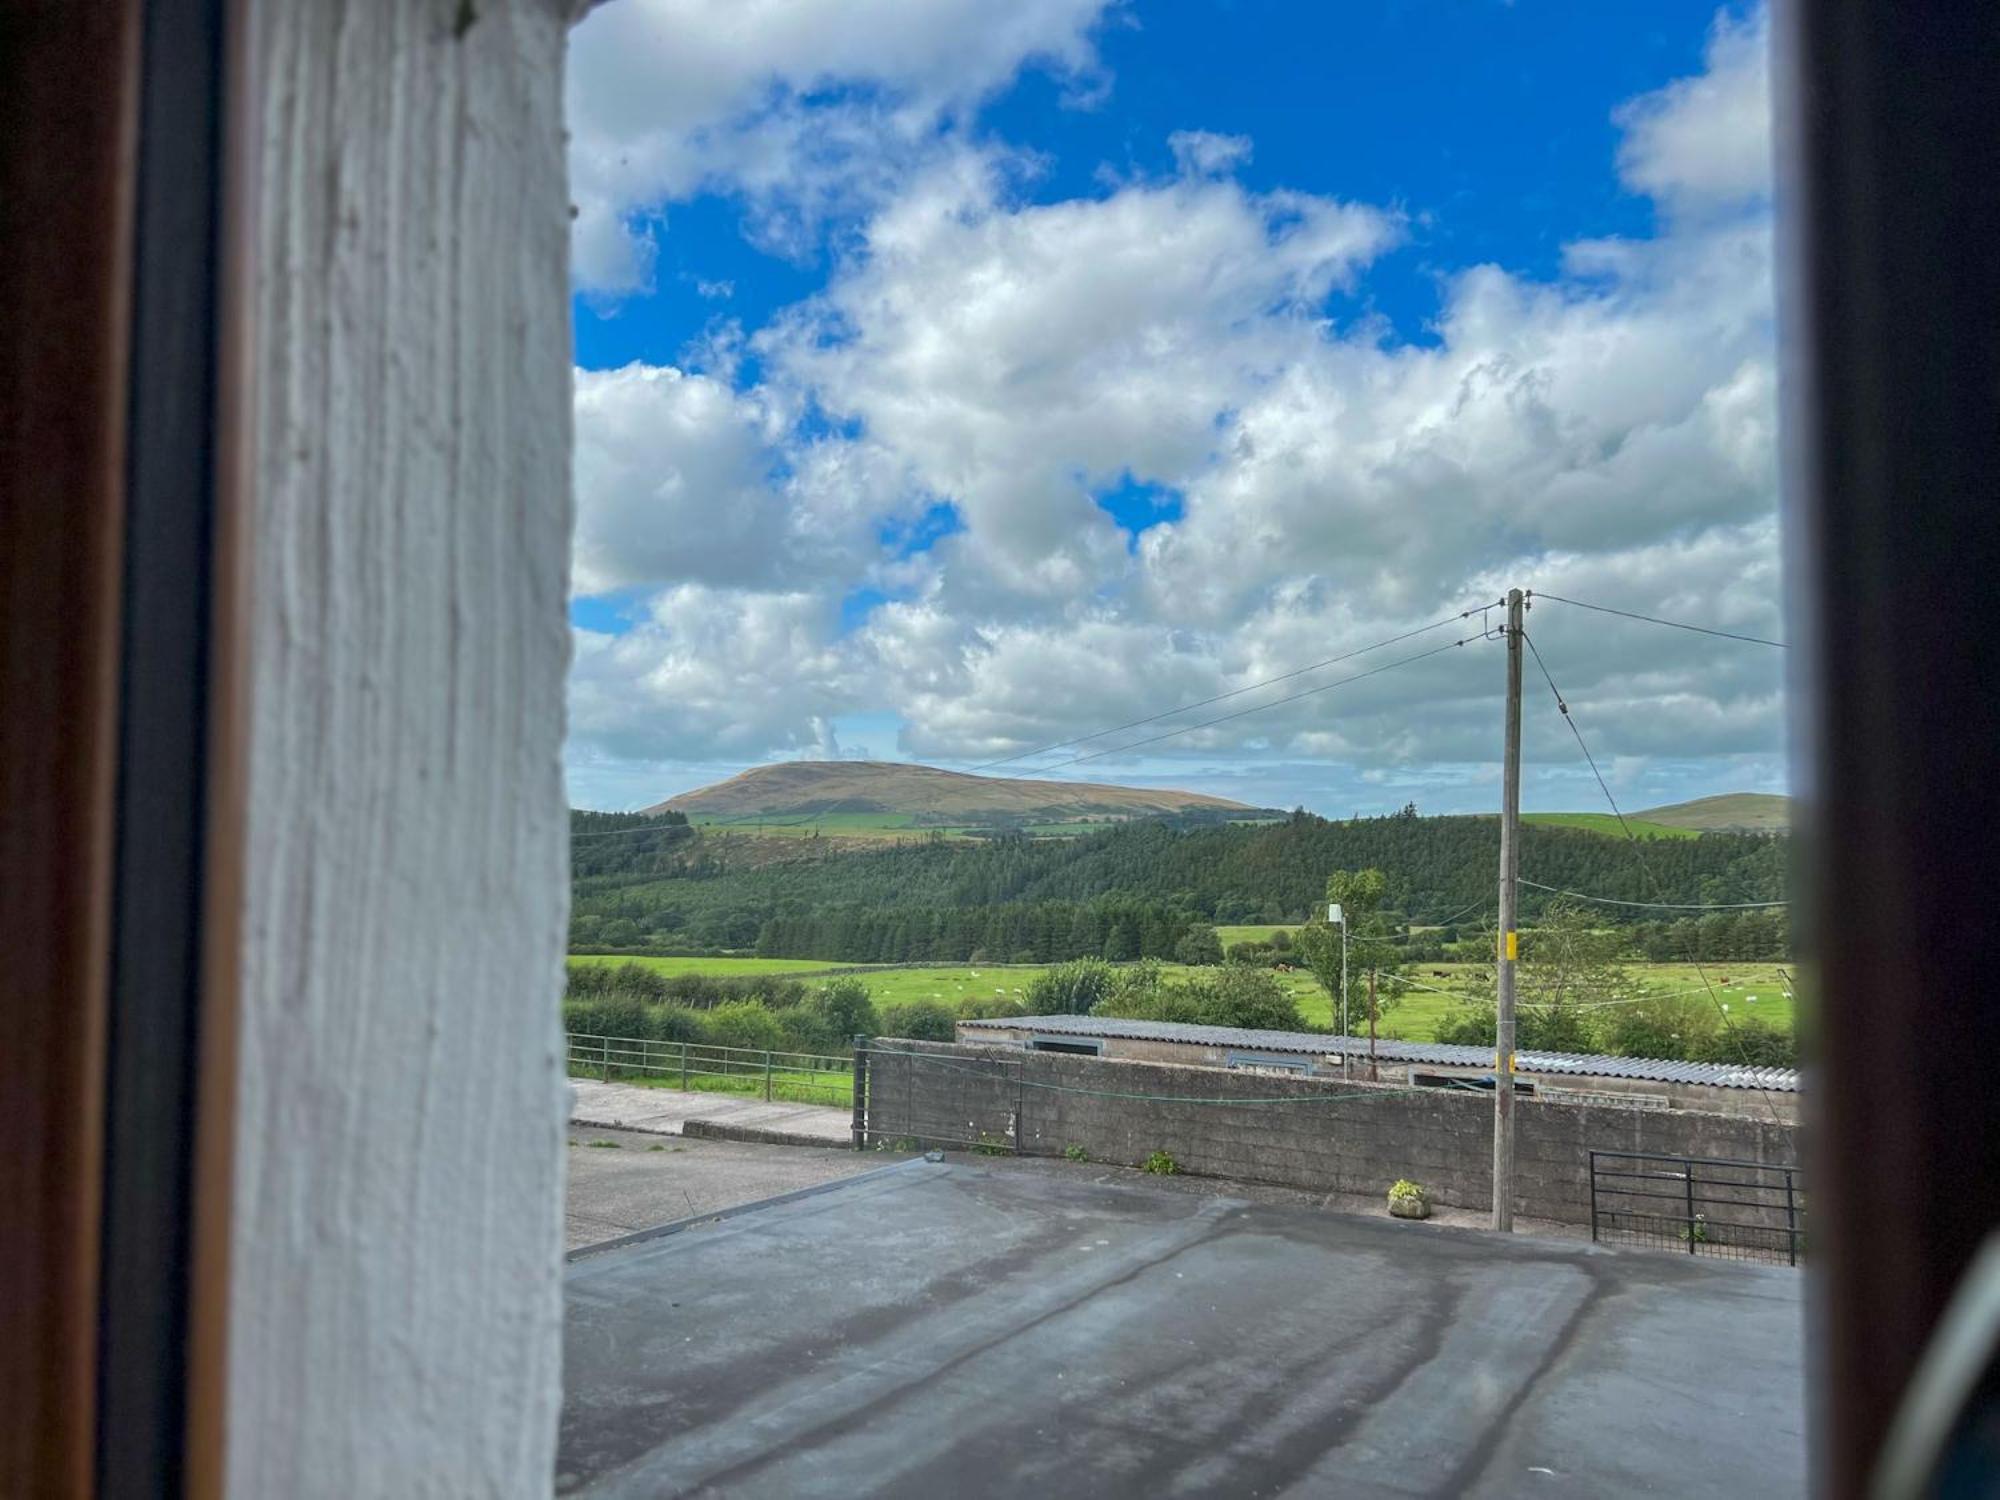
(1739, 1210)
(795, 1077)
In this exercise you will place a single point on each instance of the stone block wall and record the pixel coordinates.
(1322, 1135)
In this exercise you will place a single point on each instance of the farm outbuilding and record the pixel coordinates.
(1578, 1078)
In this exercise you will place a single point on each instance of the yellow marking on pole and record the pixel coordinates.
(1513, 944)
(1501, 1065)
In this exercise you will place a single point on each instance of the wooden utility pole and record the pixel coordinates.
(1510, 940)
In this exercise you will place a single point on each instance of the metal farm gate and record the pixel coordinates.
(1740, 1210)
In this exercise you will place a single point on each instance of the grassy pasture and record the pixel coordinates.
(1753, 992)
(1252, 932)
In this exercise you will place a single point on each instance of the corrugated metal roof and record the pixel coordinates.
(1659, 1070)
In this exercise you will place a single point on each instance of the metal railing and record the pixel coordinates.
(1740, 1210)
(795, 1077)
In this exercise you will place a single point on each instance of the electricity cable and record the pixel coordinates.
(1605, 609)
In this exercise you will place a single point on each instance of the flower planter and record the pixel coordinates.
(1410, 1208)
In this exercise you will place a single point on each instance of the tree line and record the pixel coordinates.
(1039, 932)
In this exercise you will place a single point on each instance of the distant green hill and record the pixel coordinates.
(1734, 812)
(1644, 827)
(906, 795)
(930, 898)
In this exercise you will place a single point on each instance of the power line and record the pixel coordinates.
(1639, 856)
(1657, 905)
(1185, 708)
(1325, 687)
(1605, 609)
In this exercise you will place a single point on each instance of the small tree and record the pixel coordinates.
(844, 1009)
(1233, 995)
(1664, 1026)
(1373, 961)
(1568, 968)
(919, 1021)
(1198, 945)
(1070, 989)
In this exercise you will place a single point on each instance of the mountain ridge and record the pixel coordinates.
(804, 788)
(1731, 812)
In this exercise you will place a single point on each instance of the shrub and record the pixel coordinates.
(637, 979)
(1670, 1026)
(919, 1021)
(1161, 1165)
(1404, 1188)
(743, 1023)
(606, 1015)
(1469, 1025)
(675, 1023)
(990, 1008)
(1752, 1044)
(1199, 945)
(1230, 995)
(1071, 989)
(844, 1010)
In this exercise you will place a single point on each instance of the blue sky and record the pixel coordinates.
(953, 382)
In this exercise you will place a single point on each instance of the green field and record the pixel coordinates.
(1607, 823)
(1254, 932)
(1415, 1018)
(1753, 992)
(786, 1086)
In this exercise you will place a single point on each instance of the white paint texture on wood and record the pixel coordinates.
(396, 1314)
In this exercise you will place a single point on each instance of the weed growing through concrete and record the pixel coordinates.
(1161, 1165)
(1075, 1152)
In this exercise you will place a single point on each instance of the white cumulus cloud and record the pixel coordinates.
(799, 105)
(1606, 434)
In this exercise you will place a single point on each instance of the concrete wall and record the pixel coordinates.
(397, 1237)
(1327, 1136)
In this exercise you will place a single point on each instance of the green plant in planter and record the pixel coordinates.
(1409, 1200)
(1161, 1165)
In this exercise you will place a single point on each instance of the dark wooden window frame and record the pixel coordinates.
(122, 225)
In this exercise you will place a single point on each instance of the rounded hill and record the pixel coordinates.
(812, 787)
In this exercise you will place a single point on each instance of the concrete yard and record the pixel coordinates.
(635, 1106)
(1020, 1327)
(638, 1181)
